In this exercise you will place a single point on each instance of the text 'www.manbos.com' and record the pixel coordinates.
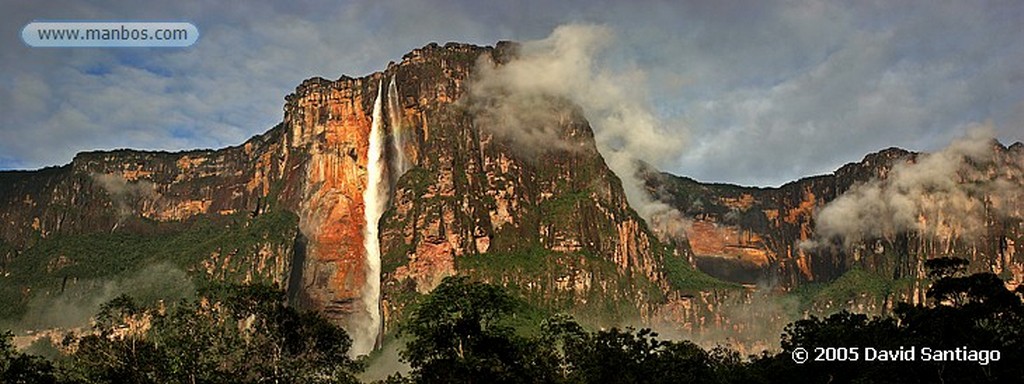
(97, 34)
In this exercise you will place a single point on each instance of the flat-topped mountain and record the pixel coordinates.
(290, 206)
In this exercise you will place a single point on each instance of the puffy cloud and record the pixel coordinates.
(566, 65)
(226, 88)
(948, 193)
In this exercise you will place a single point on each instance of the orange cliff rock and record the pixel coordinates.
(718, 240)
(330, 122)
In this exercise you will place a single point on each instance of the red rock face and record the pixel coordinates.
(469, 194)
(711, 239)
(329, 124)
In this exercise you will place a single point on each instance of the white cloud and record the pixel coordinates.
(567, 66)
(947, 194)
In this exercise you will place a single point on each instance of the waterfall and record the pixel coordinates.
(375, 199)
(399, 164)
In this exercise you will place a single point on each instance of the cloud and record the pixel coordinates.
(517, 102)
(859, 78)
(123, 192)
(947, 194)
(765, 92)
(228, 87)
(83, 298)
(117, 186)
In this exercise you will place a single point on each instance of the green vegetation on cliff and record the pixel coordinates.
(79, 271)
(686, 279)
(856, 285)
(588, 286)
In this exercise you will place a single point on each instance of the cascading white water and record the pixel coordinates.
(375, 199)
(399, 164)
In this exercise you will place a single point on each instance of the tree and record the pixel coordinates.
(21, 368)
(973, 311)
(976, 311)
(114, 351)
(232, 334)
(843, 332)
(630, 356)
(984, 290)
(943, 267)
(456, 335)
(624, 356)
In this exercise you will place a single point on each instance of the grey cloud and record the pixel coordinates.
(915, 83)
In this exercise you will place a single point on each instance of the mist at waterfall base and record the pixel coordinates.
(381, 175)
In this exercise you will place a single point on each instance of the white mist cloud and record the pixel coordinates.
(947, 193)
(116, 185)
(80, 300)
(568, 65)
(123, 192)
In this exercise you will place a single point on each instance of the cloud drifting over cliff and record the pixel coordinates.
(124, 193)
(567, 65)
(949, 193)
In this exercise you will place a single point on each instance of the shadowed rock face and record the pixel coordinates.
(467, 193)
(753, 235)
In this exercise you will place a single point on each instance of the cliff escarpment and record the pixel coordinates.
(288, 206)
(783, 235)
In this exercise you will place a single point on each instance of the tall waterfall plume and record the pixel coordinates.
(399, 163)
(375, 199)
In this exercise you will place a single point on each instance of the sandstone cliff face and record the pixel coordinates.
(466, 193)
(130, 191)
(98, 222)
(754, 235)
(554, 223)
(328, 123)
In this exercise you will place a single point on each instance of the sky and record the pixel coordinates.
(761, 92)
